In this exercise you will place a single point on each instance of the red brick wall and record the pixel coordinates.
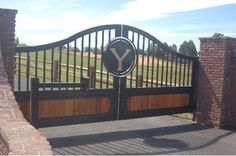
(7, 35)
(228, 117)
(17, 136)
(216, 102)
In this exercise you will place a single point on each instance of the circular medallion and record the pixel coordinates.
(120, 57)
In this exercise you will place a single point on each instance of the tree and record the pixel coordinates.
(149, 50)
(192, 48)
(87, 49)
(17, 42)
(183, 49)
(188, 48)
(163, 52)
(174, 47)
(157, 50)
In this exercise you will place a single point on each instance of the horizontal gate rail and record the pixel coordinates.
(156, 112)
(166, 90)
(73, 94)
(83, 84)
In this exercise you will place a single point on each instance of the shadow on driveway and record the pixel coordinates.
(179, 139)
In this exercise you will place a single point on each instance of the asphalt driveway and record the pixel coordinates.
(155, 135)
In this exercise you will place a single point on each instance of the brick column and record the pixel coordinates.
(216, 100)
(7, 37)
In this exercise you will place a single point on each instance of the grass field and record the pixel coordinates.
(151, 69)
(185, 115)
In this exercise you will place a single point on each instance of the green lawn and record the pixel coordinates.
(162, 69)
(185, 115)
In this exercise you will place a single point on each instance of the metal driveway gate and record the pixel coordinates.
(129, 72)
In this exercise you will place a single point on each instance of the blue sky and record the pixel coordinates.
(171, 21)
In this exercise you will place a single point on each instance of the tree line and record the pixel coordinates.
(186, 48)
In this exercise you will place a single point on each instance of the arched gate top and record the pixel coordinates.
(122, 29)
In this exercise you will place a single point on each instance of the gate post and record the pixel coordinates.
(34, 101)
(7, 35)
(216, 96)
(55, 71)
(139, 79)
(91, 75)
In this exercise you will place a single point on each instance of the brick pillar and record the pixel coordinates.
(7, 37)
(216, 100)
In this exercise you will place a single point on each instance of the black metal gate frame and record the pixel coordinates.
(120, 92)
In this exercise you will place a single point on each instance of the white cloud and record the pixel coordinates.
(133, 11)
(73, 5)
(28, 22)
(28, 28)
(142, 10)
(165, 33)
(40, 7)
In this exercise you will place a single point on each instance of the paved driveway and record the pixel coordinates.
(156, 135)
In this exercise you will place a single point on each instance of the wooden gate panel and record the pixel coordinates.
(148, 102)
(73, 107)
